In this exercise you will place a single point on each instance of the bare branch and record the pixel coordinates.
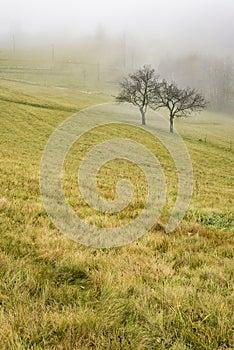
(139, 89)
(179, 102)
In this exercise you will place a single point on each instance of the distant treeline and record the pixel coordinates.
(211, 75)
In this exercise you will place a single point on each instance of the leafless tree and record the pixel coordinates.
(139, 88)
(179, 102)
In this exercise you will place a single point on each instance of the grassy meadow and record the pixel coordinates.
(164, 291)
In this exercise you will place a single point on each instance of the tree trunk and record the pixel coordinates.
(142, 117)
(171, 124)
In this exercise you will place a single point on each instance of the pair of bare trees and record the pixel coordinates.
(144, 89)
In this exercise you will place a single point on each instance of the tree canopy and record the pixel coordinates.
(179, 102)
(139, 89)
(144, 89)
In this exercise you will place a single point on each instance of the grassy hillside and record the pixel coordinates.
(80, 69)
(161, 292)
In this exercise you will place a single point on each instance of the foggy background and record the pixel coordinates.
(168, 25)
(88, 42)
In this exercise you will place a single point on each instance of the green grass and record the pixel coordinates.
(82, 69)
(161, 292)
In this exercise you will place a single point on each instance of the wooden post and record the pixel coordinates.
(133, 60)
(13, 42)
(98, 71)
(124, 50)
(52, 52)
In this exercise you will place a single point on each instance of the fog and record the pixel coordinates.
(178, 26)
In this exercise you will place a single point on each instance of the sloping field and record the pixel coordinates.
(164, 291)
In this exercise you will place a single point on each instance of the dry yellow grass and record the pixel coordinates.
(161, 292)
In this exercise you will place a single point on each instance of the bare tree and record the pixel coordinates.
(179, 102)
(139, 88)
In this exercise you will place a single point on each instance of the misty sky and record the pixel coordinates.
(200, 24)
